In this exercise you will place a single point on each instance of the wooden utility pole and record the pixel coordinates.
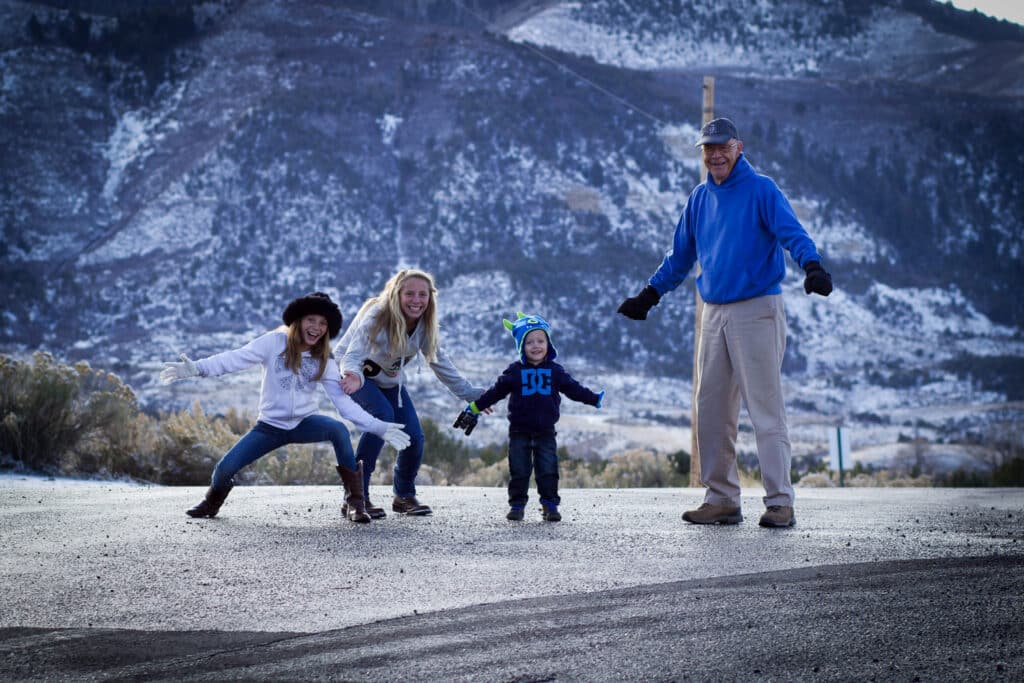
(707, 115)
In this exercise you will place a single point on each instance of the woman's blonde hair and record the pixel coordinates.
(390, 317)
(321, 351)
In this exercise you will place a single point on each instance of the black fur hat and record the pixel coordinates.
(316, 303)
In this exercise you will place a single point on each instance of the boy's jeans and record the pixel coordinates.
(537, 452)
(263, 438)
(383, 405)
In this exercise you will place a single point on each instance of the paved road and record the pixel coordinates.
(110, 582)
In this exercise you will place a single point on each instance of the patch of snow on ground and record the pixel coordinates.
(389, 124)
(560, 27)
(174, 222)
(130, 142)
(839, 241)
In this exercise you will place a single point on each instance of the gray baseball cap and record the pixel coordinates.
(717, 132)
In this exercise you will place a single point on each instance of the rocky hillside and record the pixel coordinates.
(173, 173)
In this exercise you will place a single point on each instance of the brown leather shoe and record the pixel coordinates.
(408, 505)
(714, 514)
(778, 516)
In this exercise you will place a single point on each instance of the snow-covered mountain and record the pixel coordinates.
(174, 174)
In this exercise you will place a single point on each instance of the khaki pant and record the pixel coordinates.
(740, 356)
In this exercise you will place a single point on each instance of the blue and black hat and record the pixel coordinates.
(717, 132)
(525, 324)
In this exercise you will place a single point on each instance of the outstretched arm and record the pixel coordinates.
(577, 392)
(223, 363)
(174, 372)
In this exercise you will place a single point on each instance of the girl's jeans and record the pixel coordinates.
(263, 438)
(537, 452)
(383, 405)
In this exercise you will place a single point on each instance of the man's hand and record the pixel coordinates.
(395, 437)
(173, 372)
(636, 307)
(817, 280)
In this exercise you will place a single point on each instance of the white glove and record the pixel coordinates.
(395, 437)
(173, 372)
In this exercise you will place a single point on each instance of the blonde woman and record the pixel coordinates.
(389, 332)
(295, 358)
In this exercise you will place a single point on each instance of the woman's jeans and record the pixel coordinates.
(537, 452)
(383, 405)
(263, 438)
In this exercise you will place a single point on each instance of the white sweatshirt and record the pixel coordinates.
(355, 347)
(287, 398)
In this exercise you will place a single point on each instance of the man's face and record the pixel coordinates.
(720, 159)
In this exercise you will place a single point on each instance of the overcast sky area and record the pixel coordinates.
(1012, 10)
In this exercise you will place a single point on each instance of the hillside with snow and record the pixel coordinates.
(176, 174)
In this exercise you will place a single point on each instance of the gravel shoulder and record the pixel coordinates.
(107, 565)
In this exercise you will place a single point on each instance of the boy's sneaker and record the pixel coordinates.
(549, 512)
(714, 514)
(515, 514)
(778, 516)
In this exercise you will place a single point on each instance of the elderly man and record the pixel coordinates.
(736, 224)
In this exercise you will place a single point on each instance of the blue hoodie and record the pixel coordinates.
(737, 231)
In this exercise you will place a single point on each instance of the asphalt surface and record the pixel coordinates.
(114, 582)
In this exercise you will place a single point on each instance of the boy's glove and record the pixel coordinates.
(395, 437)
(600, 399)
(636, 307)
(817, 280)
(173, 372)
(467, 419)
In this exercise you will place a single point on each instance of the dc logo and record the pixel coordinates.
(536, 381)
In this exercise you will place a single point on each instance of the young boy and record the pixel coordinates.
(534, 382)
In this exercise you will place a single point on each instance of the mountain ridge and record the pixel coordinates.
(176, 197)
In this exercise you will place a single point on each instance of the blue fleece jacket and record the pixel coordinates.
(535, 400)
(737, 231)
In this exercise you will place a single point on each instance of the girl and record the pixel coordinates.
(295, 359)
(388, 332)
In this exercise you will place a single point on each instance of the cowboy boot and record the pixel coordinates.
(375, 511)
(209, 506)
(354, 507)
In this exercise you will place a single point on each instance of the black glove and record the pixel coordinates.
(817, 280)
(466, 420)
(636, 307)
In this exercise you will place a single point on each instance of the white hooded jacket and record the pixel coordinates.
(286, 397)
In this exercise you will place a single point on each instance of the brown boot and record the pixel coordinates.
(354, 507)
(375, 511)
(210, 505)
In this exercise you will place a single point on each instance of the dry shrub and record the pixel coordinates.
(482, 474)
(816, 480)
(191, 444)
(640, 469)
(127, 447)
(59, 418)
(307, 463)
